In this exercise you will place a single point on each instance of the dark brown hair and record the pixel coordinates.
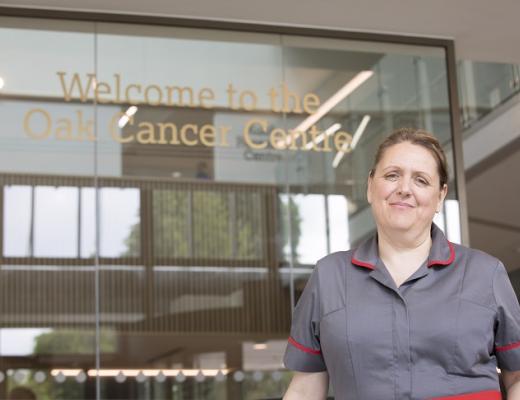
(420, 138)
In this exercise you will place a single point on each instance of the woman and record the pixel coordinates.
(407, 314)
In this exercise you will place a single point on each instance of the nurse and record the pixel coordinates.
(407, 314)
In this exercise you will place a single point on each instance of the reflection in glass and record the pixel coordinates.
(17, 221)
(88, 222)
(56, 221)
(119, 222)
(338, 223)
(312, 243)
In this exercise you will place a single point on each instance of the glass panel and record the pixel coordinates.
(364, 92)
(88, 222)
(208, 207)
(17, 221)
(119, 222)
(47, 293)
(216, 168)
(483, 86)
(55, 221)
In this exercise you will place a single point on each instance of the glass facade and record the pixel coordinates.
(165, 193)
(484, 86)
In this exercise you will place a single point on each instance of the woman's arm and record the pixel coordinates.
(308, 386)
(511, 381)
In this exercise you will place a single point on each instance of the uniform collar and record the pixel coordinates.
(442, 251)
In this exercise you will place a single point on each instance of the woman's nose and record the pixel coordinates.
(404, 187)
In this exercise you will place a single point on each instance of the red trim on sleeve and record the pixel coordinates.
(362, 264)
(444, 262)
(487, 395)
(510, 346)
(303, 348)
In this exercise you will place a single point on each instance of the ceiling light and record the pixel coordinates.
(359, 131)
(2, 82)
(126, 116)
(260, 346)
(131, 111)
(333, 101)
(123, 121)
(350, 146)
(331, 130)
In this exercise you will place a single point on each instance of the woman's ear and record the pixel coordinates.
(369, 188)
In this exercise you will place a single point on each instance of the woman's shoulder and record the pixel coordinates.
(475, 260)
(335, 259)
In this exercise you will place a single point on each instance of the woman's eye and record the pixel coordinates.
(391, 177)
(422, 181)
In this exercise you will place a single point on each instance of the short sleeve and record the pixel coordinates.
(507, 328)
(303, 352)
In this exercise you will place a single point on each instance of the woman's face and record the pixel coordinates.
(404, 191)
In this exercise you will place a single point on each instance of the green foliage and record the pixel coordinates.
(74, 342)
(289, 214)
(205, 224)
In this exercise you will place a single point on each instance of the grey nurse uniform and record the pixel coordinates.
(440, 335)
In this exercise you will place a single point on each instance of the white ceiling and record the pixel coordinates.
(483, 30)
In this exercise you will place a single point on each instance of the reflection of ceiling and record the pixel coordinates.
(494, 215)
(482, 30)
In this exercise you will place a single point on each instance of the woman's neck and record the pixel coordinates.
(395, 246)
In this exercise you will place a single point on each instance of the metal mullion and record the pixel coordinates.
(80, 204)
(2, 188)
(31, 226)
(457, 140)
(146, 251)
(232, 217)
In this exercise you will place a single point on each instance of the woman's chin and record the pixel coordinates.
(400, 224)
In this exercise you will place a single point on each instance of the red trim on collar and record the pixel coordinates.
(486, 395)
(444, 262)
(303, 348)
(362, 264)
(510, 346)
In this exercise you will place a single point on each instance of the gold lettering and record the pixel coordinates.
(311, 103)
(162, 132)
(278, 139)
(247, 137)
(252, 102)
(101, 89)
(118, 87)
(288, 97)
(63, 129)
(326, 143)
(272, 96)
(76, 82)
(206, 94)
(184, 131)
(158, 94)
(230, 92)
(145, 135)
(127, 93)
(295, 135)
(180, 94)
(45, 133)
(342, 141)
(207, 135)
(224, 130)
(114, 129)
(85, 128)
(314, 136)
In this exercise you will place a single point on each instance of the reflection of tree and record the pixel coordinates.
(266, 388)
(211, 224)
(71, 343)
(289, 211)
